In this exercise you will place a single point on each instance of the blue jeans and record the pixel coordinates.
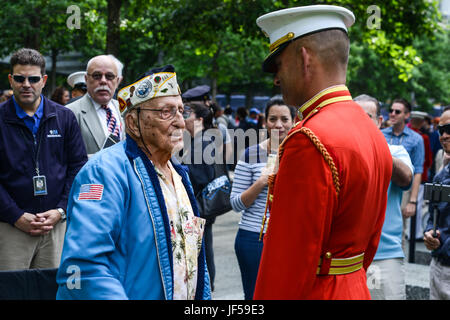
(209, 254)
(248, 250)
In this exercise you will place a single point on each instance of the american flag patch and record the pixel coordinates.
(91, 192)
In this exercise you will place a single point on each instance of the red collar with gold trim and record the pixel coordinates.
(323, 98)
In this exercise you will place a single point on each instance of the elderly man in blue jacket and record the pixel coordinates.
(41, 151)
(134, 230)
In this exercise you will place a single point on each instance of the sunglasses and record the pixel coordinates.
(396, 111)
(444, 129)
(98, 76)
(31, 79)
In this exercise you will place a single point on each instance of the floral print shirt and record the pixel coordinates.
(186, 235)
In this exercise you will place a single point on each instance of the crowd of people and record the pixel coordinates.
(103, 181)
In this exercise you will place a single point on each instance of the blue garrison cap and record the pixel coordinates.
(254, 110)
(197, 93)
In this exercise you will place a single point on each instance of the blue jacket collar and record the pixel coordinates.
(48, 108)
(133, 151)
(22, 114)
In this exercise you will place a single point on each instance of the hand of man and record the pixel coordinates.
(26, 224)
(431, 242)
(409, 210)
(51, 217)
(446, 158)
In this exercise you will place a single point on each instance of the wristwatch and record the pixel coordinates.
(63, 213)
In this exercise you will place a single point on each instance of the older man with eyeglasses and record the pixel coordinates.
(97, 112)
(134, 227)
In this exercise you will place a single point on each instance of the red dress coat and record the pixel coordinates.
(328, 201)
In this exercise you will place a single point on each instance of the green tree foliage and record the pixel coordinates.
(397, 46)
(367, 73)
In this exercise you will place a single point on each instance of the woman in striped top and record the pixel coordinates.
(249, 191)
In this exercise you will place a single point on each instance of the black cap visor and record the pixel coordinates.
(269, 64)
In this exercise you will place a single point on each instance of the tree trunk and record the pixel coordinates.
(113, 27)
(32, 40)
(54, 54)
(215, 72)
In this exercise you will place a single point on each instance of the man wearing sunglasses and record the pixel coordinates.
(97, 112)
(440, 243)
(41, 151)
(400, 134)
(386, 274)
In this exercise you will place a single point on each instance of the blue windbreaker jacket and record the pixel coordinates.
(119, 247)
(61, 155)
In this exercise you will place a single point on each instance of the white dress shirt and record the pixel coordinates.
(101, 113)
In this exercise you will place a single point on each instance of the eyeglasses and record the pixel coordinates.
(396, 111)
(444, 129)
(31, 79)
(168, 112)
(98, 76)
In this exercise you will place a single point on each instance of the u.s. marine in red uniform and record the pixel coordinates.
(328, 197)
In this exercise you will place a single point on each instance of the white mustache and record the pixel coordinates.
(177, 134)
(106, 88)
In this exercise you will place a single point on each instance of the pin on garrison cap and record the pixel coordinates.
(198, 93)
(284, 26)
(157, 82)
(76, 78)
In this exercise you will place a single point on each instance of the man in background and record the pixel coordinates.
(386, 274)
(97, 112)
(439, 243)
(41, 153)
(78, 83)
(400, 134)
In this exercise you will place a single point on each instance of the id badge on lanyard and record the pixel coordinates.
(39, 185)
(39, 181)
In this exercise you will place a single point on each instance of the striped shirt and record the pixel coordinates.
(247, 171)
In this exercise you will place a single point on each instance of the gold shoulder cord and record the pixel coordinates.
(328, 159)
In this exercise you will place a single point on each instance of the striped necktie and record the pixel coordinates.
(111, 122)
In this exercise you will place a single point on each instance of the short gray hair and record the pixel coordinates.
(111, 57)
(119, 64)
(366, 97)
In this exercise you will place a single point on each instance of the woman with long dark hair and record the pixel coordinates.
(249, 191)
(199, 124)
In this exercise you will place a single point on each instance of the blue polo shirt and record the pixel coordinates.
(413, 143)
(31, 122)
(390, 245)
